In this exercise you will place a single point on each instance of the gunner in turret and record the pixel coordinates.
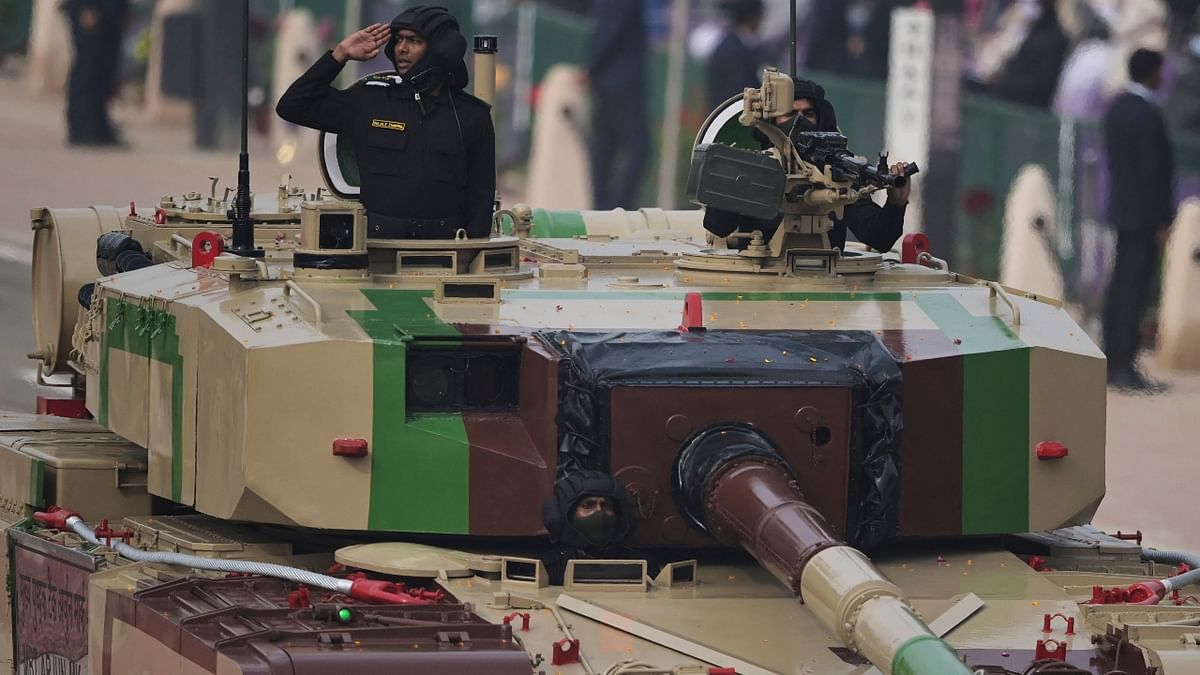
(879, 227)
(426, 149)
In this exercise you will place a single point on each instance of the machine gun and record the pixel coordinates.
(808, 176)
(828, 148)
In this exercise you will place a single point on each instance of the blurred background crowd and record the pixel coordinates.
(599, 101)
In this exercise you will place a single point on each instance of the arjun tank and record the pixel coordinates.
(336, 453)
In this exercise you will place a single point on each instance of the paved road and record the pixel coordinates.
(1154, 459)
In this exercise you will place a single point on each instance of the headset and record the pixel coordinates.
(446, 45)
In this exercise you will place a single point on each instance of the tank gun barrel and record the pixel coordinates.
(730, 480)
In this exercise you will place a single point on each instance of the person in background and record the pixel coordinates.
(616, 73)
(734, 64)
(873, 62)
(1141, 208)
(1080, 94)
(828, 37)
(1031, 75)
(96, 30)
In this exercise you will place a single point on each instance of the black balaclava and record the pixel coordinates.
(826, 116)
(596, 534)
(447, 47)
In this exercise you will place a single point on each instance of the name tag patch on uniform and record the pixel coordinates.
(388, 124)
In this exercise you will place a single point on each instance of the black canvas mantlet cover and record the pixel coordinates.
(595, 363)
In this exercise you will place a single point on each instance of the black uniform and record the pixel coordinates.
(427, 161)
(94, 68)
(876, 226)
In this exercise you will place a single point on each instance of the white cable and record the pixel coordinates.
(215, 564)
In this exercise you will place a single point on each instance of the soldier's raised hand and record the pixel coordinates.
(899, 195)
(363, 45)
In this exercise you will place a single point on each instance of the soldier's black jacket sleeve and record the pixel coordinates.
(312, 102)
(720, 223)
(481, 172)
(876, 226)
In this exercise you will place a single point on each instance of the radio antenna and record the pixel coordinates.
(239, 215)
(792, 9)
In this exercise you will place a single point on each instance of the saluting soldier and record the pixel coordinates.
(426, 149)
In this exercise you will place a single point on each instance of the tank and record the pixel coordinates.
(346, 454)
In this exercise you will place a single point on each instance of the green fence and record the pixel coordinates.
(997, 140)
(15, 18)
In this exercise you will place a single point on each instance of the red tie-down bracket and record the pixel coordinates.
(1048, 622)
(206, 246)
(1050, 649)
(912, 246)
(524, 620)
(565, 652)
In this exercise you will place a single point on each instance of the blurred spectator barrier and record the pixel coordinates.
(1179, 313)
(48, 59)
(1027, 255)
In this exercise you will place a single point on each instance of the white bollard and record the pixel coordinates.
(50, 51)
(1179, 311)
(1027, 258)
(559, 174)
(296, 49)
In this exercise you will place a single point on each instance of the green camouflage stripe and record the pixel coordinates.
(557, 224)
(420, 466)
(995, 477)
(149, 333)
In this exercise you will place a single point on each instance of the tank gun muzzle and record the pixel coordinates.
(731, 481)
